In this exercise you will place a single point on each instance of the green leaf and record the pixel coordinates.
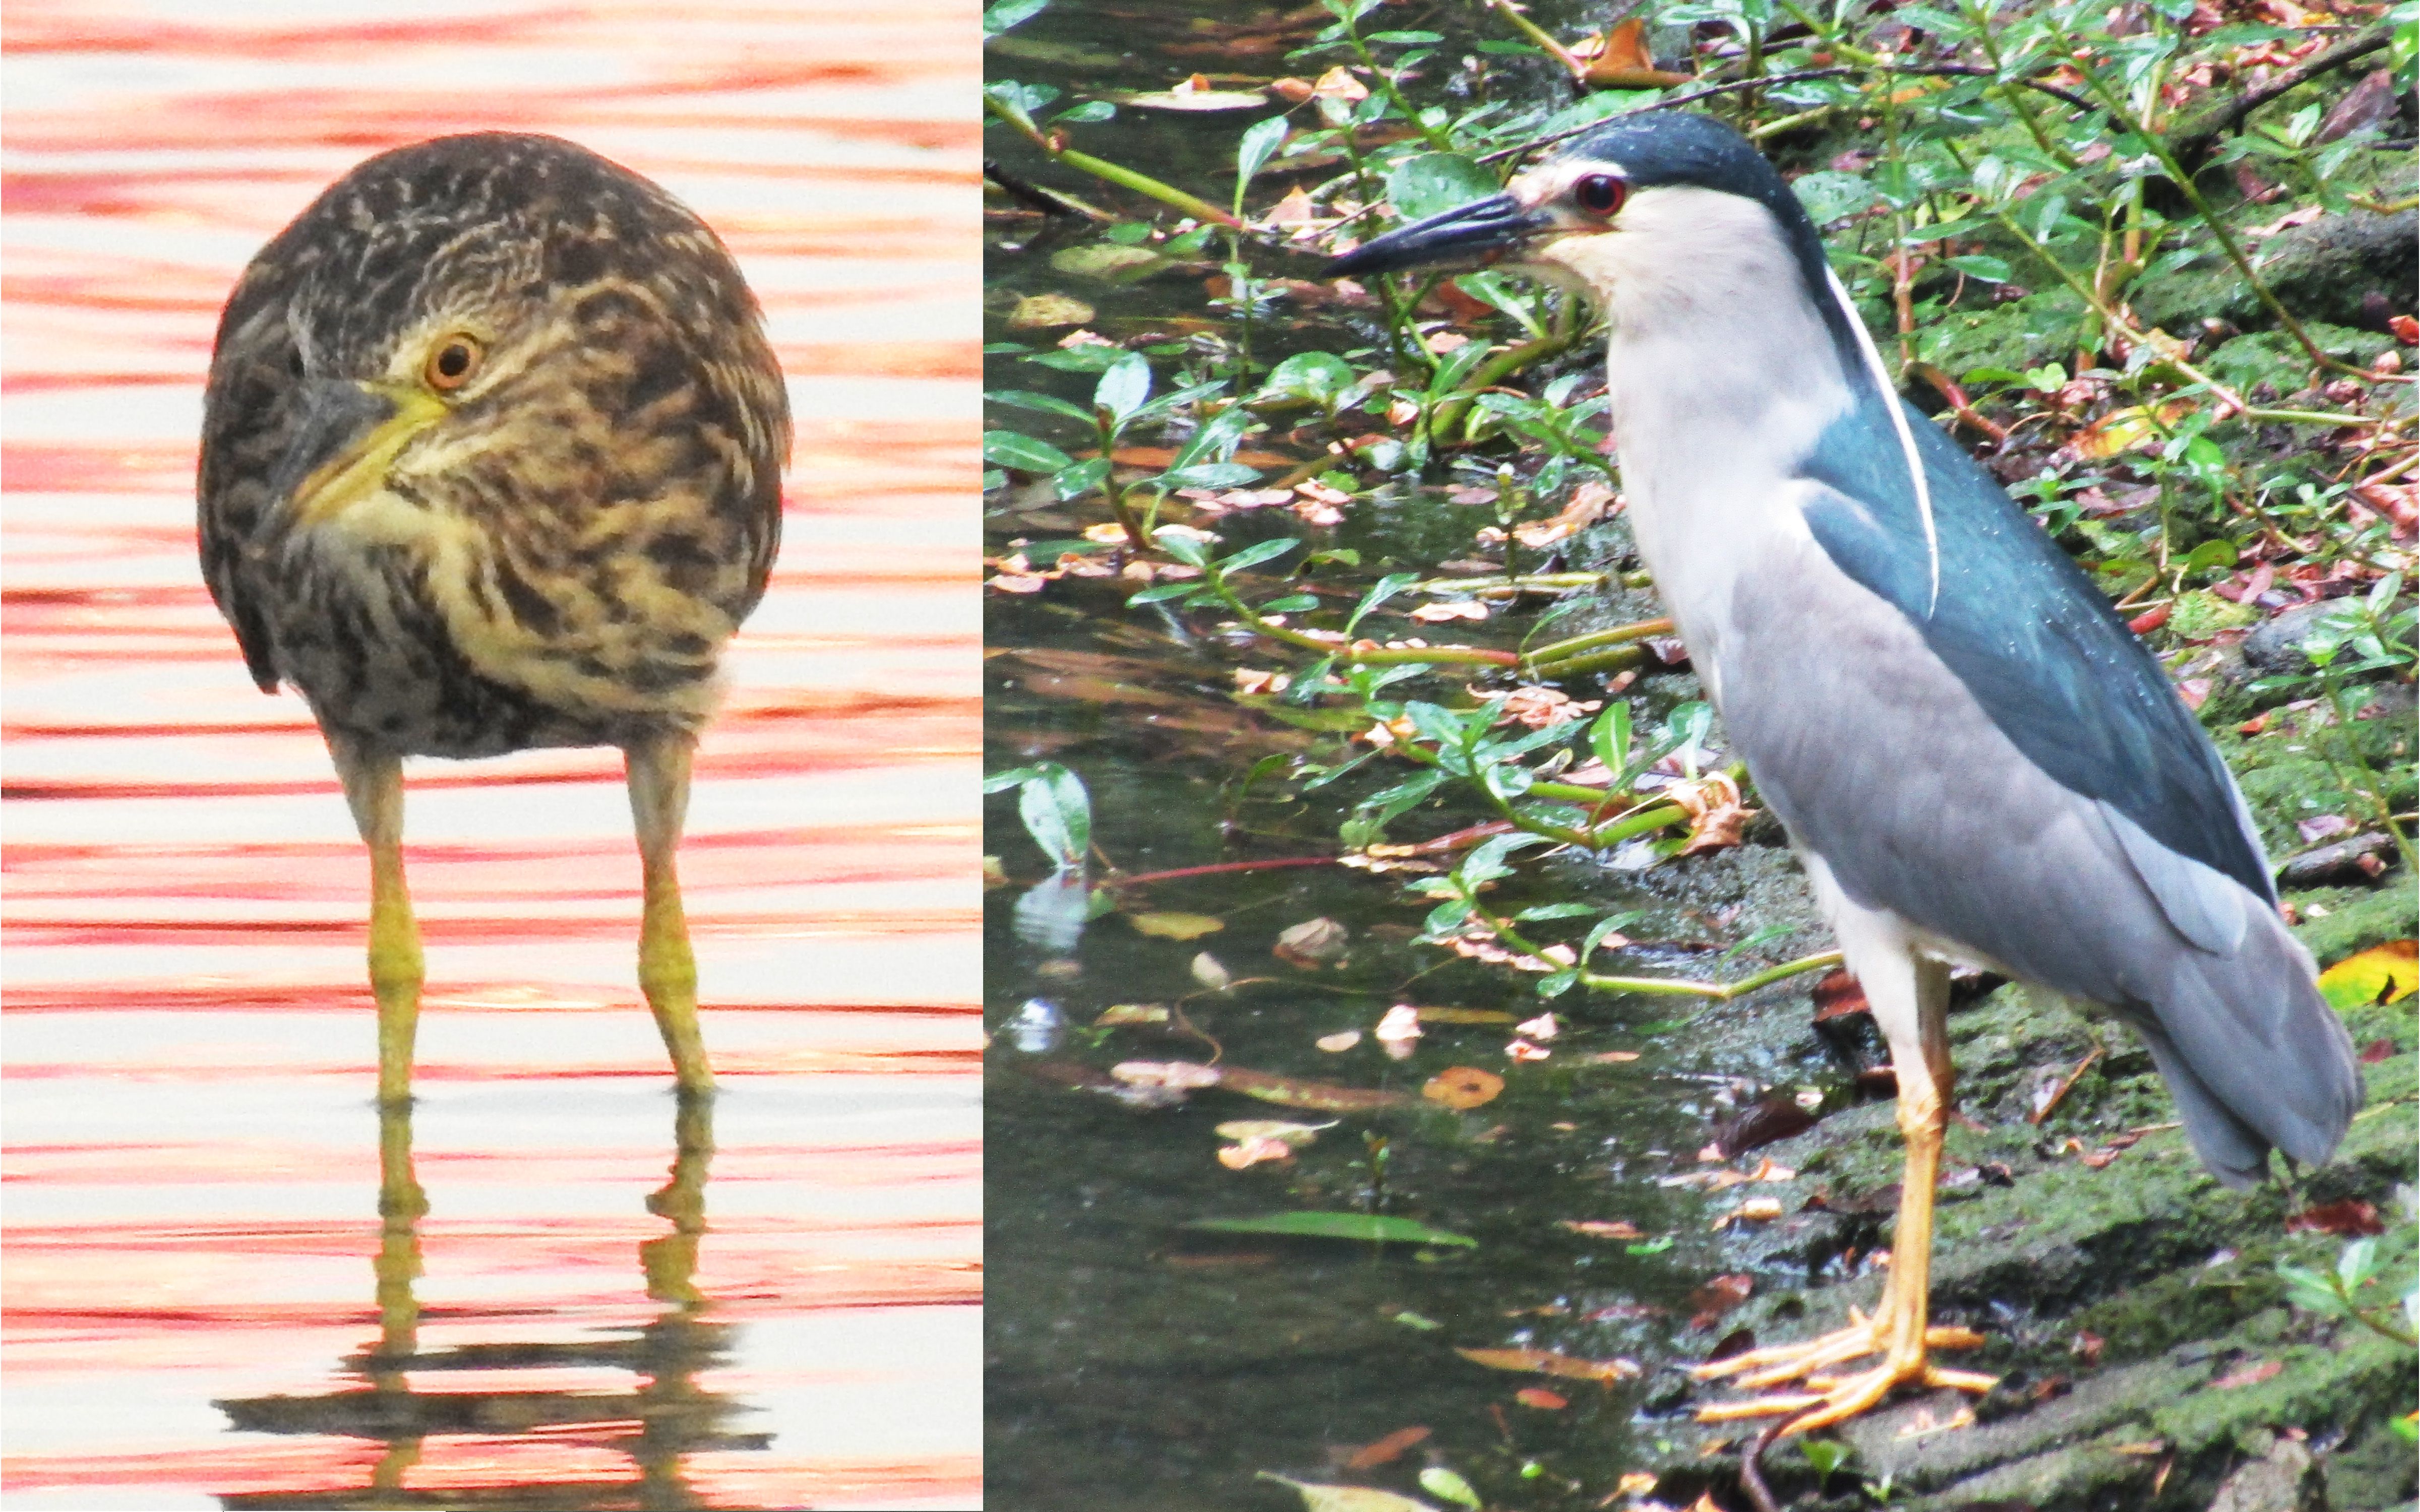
(1081, 478)
(1182, 546)
(1552, 910)
(1438, 1481)
(1007, 13)
(1427, 182)
(1210, 476)
(1258, 553)
(1261, 142)
(1609, 738)
(1047, 403)
(1320, 377)
(1611, 924)
(1987, 270)
(1384, 589)
(1010, 450)
(1830, 195)
(1057, 813)
(1124, 387)
(1654, 1247)
(1374, 1227)
(1160, 593)
(1078, 359)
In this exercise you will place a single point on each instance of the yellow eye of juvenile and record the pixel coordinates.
(451, 362)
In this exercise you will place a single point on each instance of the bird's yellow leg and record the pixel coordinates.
(658, 778)
(1901, 1331)
(373, 782)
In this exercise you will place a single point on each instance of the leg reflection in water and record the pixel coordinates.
(477, 1440)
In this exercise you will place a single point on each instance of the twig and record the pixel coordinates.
(2192, 142)
(1956, 70)
(1140, 878)
(1201, 210)
(2037, 1115)
(1034, 196)
(1752, 1465)
(1714, 990)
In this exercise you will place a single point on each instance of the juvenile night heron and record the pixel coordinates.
(1975, 760)
(491, 459)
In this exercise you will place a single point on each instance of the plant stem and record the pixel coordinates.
(1123, 178)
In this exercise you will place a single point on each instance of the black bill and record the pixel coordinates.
(1473, 233)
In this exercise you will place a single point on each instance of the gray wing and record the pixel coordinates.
(1881, 760)
(2029, 635)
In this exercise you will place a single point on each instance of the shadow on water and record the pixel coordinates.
(654, 1426)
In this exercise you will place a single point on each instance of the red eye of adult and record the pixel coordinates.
(1600, 193)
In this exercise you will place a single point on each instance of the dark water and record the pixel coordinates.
(1136, 1364)
(573, 1299)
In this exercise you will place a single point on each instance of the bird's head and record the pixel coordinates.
(483, 323)
(1661, 210)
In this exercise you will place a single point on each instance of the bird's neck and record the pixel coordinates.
(1720, 372)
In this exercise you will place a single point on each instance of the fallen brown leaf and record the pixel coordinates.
(2249, 1375)
(2351, 1218)
(1548, 1363)
(1603, 1227)
(1717, 1297)
(1312, 944)
(1391, 1447)
(1462, 1087)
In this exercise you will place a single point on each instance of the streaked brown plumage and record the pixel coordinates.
(490, 460)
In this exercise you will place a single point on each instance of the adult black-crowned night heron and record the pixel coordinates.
(490, 460)
(1975, 760)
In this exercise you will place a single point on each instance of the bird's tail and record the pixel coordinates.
(2254, 1055)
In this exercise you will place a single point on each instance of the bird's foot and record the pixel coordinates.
(1831, 1397)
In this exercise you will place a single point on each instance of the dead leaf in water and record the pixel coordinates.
(1463, 1015)
(1462, 1087)
(1302, 1092)
(1176, 926)
(1541, 1398)
(1548, 1363)
(1603, 1227)
(1252, 1152)
(1041, 312)
(1342, 1040)
(1118, 1014)
(1318, 1498)
(1753, 1210)
(1717, 1297)
(1177, 1073)
(1210, 974)
(1312, 944)
(1293, 1134)
(1391, 1447)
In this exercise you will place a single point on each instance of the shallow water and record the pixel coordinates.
(203, 1304)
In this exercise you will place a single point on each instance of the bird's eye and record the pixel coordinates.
(1600, 193)
(451, 362)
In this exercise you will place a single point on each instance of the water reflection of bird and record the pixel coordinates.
(491, 459)
(1975, 758)
(399, 1393)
